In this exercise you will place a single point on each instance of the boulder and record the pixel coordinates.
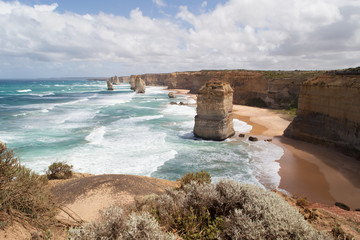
(241, 135)
(253, 139)
(342, 206)
(171, 95)
(109, 85)
(214, 119)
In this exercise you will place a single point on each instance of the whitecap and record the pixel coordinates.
(264, 156)
(145, 118)
(242, 127)
(179, 110)
(24, 90)
(96, 136)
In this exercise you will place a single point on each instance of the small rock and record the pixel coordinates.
(181, 103)
(241, 135)
(268, 140)
(171, 95)
(357, 210)
(253, 139)
(342, 206)
(173, 103)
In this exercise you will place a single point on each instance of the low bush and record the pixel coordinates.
(116, 225)
(199, 210)
(23, 193)
(228, 210)
(199, 177)
(59, 170)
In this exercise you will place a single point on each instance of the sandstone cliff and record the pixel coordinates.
(274, 89)
(214, 118)
(329, 112)
(109, 85)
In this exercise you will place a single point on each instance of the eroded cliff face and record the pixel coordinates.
(329, 112)
(214, 119)
(274, 89)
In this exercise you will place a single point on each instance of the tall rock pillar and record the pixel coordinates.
(214, 119)
(109, 85)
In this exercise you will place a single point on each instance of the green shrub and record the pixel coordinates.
(116, 225)
(199, 177)
(23, 193)
(59, 170)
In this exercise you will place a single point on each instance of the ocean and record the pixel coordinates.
(120, 132)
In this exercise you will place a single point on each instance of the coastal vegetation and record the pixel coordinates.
(59, 170)
(201, 210)
(24, 195)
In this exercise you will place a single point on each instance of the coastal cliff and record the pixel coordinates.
(329, 112)
(214, 119)
(273, 89)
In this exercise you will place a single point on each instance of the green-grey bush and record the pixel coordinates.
(229, 210)
(117, 225)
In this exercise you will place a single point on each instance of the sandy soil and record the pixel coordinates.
(84, 197)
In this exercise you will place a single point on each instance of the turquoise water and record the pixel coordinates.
(100, 131)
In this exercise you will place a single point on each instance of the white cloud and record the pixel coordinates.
(262, 34)
(160, 3)
(204, 4)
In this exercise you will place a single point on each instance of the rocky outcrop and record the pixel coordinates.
(139, 85)
(115, 80)
(329, 112)
(214, 119)
(132, 81)
(109, 85)
(273, 89)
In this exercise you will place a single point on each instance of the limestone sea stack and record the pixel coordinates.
(115, 80)
(132, 81)
(109, 85)
(214, 119)
(139, 85)
(329, 112)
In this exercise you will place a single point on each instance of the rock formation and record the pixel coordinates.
(274, 89)
(171, 95)
(115, 80)
(109, 85)
(132, 81)
(329, 112)
(214, 120)
(139, 85)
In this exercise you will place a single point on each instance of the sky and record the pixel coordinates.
(68, 38)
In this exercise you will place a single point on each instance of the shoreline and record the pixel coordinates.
(318, 173)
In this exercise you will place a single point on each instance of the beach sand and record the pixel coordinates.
(318, 173)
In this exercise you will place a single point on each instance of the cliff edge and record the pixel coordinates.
(329, 112)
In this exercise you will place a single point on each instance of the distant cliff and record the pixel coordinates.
(274, 89)
(329, 111)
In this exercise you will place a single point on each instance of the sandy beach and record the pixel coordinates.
(318, 173)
